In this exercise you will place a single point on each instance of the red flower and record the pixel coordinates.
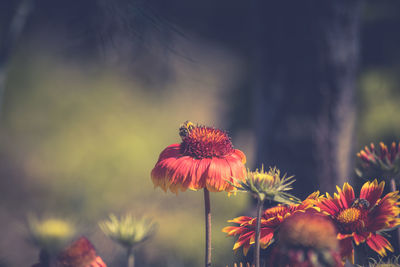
(81, 253)
(384, 155)
(360, 219)
(270, 221)
(382, 162)
(204, 159)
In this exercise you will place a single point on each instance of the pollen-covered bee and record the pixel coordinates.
(185, 128)
(360, 203)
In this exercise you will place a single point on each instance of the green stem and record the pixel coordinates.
(131, 258)
(208, 227)
(257, 237)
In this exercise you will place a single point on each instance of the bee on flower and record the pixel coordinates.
(362, 219)
(204, 159)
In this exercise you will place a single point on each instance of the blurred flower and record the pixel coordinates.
(380, 162)
(309, 229)
(51, 234)
(306, 239)
(271, 219)
(81, 253)
(362, 219)
(268, 185)
(128, 231)
(204, 159)
(393, 262)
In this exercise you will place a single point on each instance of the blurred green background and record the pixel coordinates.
(79, 143)
(79, 135)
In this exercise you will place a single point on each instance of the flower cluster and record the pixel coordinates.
(319, 231)
(359, 219)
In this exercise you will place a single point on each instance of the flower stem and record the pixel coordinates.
(208, 227)
(360, 254)
(393, 184)
(257, 237)
(393, 188)
(131, 258)
(44, 257)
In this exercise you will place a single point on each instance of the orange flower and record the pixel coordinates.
(361, 219)
(204, 159)
(306, 239)
(270, 221)
(80, 254)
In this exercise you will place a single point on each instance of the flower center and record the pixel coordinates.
(349, 215)
(205, 142)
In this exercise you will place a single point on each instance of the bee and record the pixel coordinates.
(360, 202)
(185, 128)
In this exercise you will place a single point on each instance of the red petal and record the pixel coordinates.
(346, 196)
(329, 206)
(266, 235)
(218, 171)
(177, 172)
(346, 249)
(371, 191)
(201, 174)
(160, 174)
(379, 244)
(242, 219)
(170, 151)
(240, 155)
(358, 238)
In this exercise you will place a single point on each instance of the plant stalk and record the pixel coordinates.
(393, 188)
(257, 237)
(130, 258)
(360, 254)
(208, 227)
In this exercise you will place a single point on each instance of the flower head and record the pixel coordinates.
(50, 234)
(128, 231)
(270, 221)
(362, 219)
(204, 159)
(268, 185)
(306, 239)
(81, 253)
(383, 161)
